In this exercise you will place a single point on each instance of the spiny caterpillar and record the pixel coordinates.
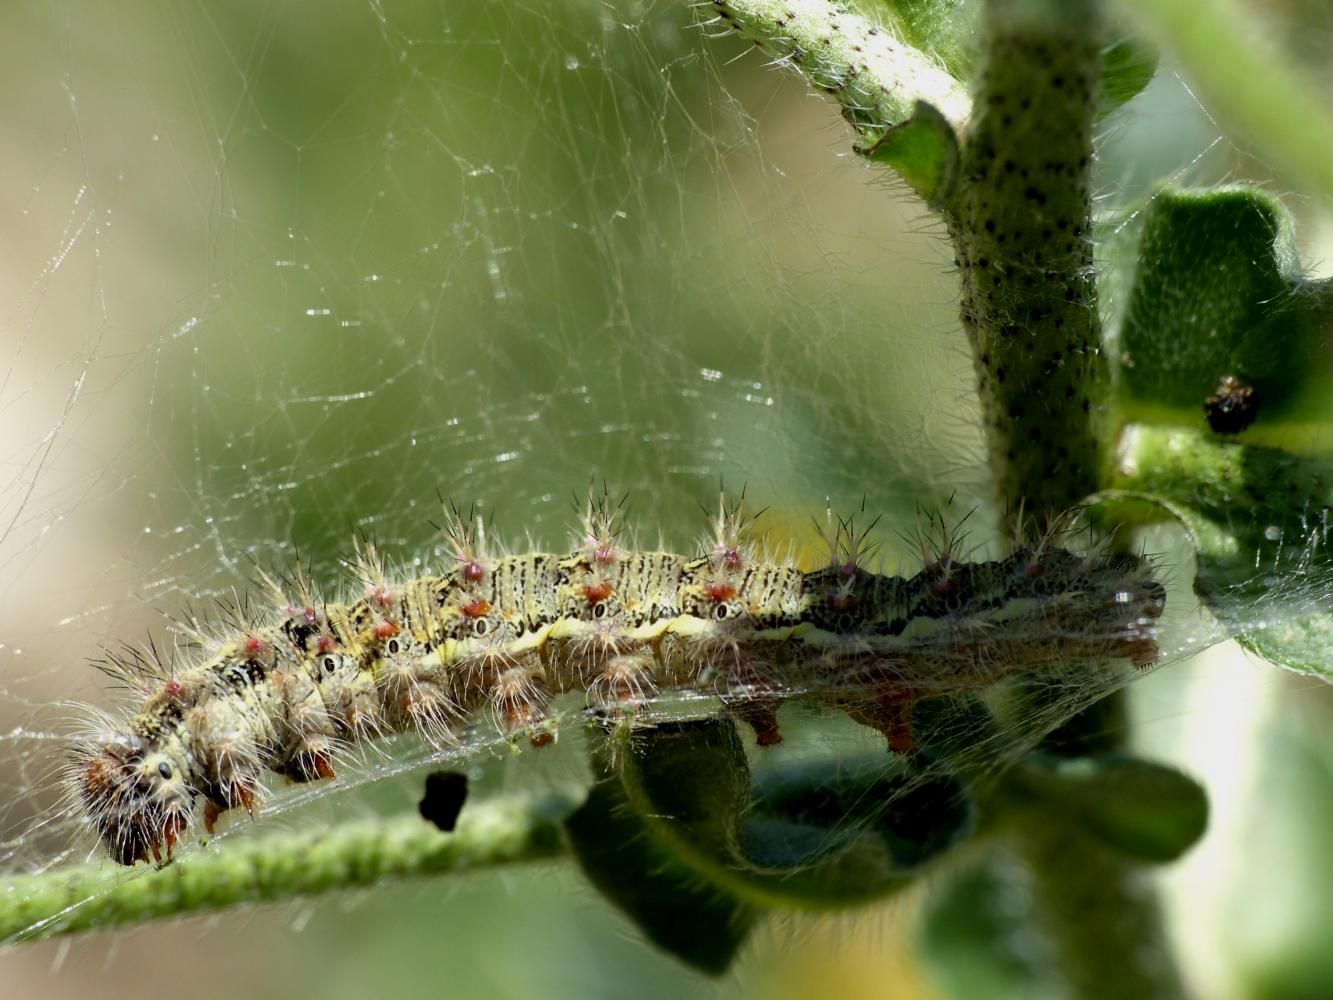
(509, 632)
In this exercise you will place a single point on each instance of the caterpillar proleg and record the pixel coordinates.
(503, 634)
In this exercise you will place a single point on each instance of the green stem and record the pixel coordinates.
(96, 897)
(1021, 226)
(876, 78)
(1020, 219)
(1099, 914)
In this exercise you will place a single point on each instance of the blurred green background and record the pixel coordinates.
(275, 273)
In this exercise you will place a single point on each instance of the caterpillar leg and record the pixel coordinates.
(889, 712)
(761, 715)
(233, 795)
(751, 694)
(518, 700)
(625, 681)
(306, 765)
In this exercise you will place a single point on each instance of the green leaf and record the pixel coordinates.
(1137, 808)
(675, 836)
(817, 833)
(635, 858)
(677, 911)
(1259, 520)
(842, 831)
(924, 152)
(1128, 66)
(1219, 293)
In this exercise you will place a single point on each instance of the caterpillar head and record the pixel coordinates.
(136, 795)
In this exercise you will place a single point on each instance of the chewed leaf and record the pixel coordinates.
(630, 857)
(1259, 521)
(1219, 294)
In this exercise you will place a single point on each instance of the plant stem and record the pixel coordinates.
(95, 897)
(1021, 228)
(1098, 913)
(875, 77)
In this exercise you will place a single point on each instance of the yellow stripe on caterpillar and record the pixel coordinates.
(503, 635)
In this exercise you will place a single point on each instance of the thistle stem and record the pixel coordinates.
(99, 897)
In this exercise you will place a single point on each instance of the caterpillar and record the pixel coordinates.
(505, 633)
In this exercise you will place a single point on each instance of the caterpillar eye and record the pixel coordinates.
(164, 769)
(329, 665)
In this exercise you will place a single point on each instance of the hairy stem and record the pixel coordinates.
(94, 897)
(1021, 225)
(877, 78)
(1021, 228)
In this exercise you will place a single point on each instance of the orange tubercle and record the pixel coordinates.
(322, 765)
(719, 591)
(594, 592)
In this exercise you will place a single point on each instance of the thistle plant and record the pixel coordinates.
(1184, 404)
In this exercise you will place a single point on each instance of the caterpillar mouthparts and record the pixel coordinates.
(506, 633)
